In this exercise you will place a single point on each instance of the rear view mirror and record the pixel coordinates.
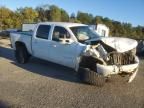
(82, 37)
(61, 36)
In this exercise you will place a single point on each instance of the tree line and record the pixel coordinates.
(14, 19)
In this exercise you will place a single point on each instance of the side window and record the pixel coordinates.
(43, 31)
(60, 32)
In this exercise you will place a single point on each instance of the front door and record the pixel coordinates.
(64, 54)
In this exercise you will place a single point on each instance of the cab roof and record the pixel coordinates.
(65, 24)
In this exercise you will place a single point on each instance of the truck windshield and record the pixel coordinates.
(83, 33)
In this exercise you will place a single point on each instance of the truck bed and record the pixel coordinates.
(25, 33)
(24, 37)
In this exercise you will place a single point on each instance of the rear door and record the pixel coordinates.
(40, 42)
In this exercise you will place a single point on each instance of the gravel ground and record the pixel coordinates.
(41, 84)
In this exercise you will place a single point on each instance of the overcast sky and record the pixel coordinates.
(131, 11)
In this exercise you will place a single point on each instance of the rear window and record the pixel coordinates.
(43, 31)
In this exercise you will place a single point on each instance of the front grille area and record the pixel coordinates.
(120, 58)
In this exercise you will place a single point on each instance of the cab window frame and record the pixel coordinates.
(45, 31)
(56, 28)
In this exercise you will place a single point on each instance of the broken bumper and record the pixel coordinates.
(108, 70)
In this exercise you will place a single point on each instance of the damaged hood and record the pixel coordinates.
(118, 43)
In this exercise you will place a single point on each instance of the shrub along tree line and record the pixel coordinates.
(14, 19)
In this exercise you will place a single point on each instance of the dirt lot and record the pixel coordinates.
(40, 84)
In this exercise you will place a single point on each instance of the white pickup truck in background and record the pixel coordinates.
(74, 45)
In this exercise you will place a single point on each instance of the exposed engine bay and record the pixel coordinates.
(109, 56)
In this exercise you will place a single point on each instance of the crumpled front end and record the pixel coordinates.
(107, 61)
(128, 69)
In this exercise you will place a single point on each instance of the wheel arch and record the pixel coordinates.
(19, 44)
(90, 62)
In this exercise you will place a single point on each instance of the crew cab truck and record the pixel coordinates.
(74, 45)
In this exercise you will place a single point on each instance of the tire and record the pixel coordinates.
(21, 55)
(91, 77)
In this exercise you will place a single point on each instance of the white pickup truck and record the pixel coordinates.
(76, 46)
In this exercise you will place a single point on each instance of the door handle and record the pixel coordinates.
(35, 41)
(54, 45)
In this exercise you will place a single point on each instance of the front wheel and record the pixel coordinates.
(88, 76)
(21, 55)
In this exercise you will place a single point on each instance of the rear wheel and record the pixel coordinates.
(21, 55)
(91, 77)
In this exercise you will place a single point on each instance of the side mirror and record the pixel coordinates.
(66, 41)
